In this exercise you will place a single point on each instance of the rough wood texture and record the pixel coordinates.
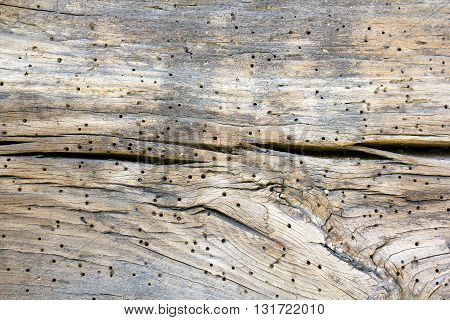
(222, 149)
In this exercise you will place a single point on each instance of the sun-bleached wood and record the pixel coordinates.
(224, 150)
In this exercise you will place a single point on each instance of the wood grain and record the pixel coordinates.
(224, 150)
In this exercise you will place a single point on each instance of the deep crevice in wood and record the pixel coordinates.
(330, 151)
(410, 149)
(105, 156)
(8, 143)
(318, 151)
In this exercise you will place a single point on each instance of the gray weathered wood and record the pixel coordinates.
(223, 149)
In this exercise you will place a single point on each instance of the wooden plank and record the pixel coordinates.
(205, 149)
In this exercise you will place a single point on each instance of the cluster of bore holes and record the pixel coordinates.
(111, 270)
(215, 138)
(224, 194)
(416, 280)
(83, 273)
(250, 272)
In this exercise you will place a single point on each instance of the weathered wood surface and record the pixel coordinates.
(223, 149)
